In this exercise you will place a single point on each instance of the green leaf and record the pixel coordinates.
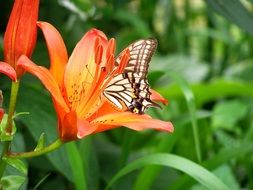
(16, 163)
(82, 9)
(77, 167)
(149, 174)
(225, 155)
(234, 11)
(227, 113)
(89, 158)
(182, 65)
(41, 142)
(5, 136)
(126, 147)
(190, 101)
(20, 113)
(196, 171)
(12, 182)
(225, 173)
(226, 139)
(154, 76)
(205, 92)
(241, 71)
(137, 23)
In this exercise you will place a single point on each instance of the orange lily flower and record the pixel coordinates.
(20, 36)
(76, 85)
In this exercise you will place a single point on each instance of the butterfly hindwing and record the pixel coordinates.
(131, 89)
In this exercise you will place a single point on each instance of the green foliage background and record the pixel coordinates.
(203, 66)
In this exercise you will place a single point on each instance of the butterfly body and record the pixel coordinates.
(130, 88)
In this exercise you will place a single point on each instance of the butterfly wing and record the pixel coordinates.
(140, 52)
(131, 89)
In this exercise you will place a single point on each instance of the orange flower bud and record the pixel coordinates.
(21, 32)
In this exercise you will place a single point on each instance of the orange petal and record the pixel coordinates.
(8, 70)
(21, 32)
(105, 108)
(57, 50)
(157, 97)
(45, 77)
(68, 127)
(132, 121)
(81, 68)
(85, 128)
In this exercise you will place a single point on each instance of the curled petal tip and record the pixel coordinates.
(96, 32)
(57, 50)
(158, 97)
(8, 70)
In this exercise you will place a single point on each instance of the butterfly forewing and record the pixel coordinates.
(131, 89)
(140, 55)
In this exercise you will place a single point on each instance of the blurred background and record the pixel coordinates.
(203, 66)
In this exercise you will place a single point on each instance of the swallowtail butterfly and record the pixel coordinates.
(131, 89)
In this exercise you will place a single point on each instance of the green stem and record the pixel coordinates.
(12, 107)
(56, 144)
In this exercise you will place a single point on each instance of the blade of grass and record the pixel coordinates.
(190, 101)
(196, 171)
(41, 181)
(234, 11)
(149, 173)
(76, 164)
(222, 157)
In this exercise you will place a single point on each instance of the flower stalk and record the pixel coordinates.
(55, 145)
(9, 127)
(12, 105)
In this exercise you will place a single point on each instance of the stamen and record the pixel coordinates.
(97, 43)
(123, 61)
(103, 73)
(110, 48)
(110, 63)
(98, 54)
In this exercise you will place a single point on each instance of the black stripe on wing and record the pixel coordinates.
(141, 52)
(131, 90)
